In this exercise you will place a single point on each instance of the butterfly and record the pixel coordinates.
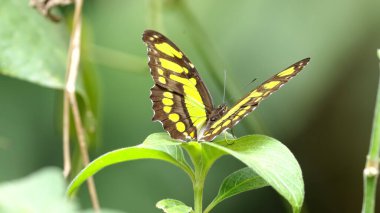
(182, 102)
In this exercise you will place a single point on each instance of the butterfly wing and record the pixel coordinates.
(249, 102)
(181, 102)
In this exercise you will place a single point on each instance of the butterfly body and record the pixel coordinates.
(183, 104)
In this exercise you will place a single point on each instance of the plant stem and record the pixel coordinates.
(83, 150)
(198, 186)
(209, 207)
(201, 166)
(70, 96)
(371, 170)
(66, 137)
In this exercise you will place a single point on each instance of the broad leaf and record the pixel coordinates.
(43, 191)
(272, 161)
(173, 206)
(240, 181)
(167, 150)
(32, 48)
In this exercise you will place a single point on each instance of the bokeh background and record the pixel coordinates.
(324, 116)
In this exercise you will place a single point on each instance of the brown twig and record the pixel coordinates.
(66, 137)
(83, 149)
(69, 96)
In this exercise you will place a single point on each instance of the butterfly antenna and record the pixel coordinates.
(252, 81)
(224, 88)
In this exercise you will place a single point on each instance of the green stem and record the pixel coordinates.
(201, 164)
(371, 170)
(209, 207)
(198, 186)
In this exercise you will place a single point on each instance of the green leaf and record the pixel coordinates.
(240, 181)
(32, 48)
(157, 146)
(202, 156)
(173, 206)
(272, 161)
(161, 142)
(43, 191)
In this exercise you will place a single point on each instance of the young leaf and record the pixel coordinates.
(161, 141)
(272, 161)
(173, 206)
(202, 156)
(156, 146)
(238, 182)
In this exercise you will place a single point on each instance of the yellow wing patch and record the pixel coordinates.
(162, 80)
(226, 123)
(167, 101)
(168, 50)
(174, 117)
(271, 84)
(167, 109)
(160, 71)
(168, 94)
(286, 72)
(255, 94)
(171, 66)
(216, 130)
(180, 126)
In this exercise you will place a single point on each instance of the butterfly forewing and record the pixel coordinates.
(248, 103)
(181, 102)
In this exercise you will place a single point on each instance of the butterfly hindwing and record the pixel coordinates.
(174, 74)
(168, 109)
(248, 103)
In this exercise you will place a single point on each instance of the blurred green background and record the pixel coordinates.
(324, 115)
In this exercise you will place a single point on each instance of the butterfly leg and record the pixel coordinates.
(232, 132)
